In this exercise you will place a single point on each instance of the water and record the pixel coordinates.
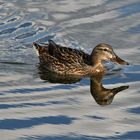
(32, 107)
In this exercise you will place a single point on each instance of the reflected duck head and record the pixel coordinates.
(104, 52)
(103, 96)
(106, 96)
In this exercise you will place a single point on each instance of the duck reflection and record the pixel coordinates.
(102, 96)
(56, 78)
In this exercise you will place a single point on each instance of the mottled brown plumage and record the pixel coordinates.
(68, 61)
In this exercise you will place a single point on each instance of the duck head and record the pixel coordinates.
(104, 52)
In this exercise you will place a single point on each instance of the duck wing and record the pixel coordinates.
(62, 60)
(67, 55)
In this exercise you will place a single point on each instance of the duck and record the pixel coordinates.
(68, 61)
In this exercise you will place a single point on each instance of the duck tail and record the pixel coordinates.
(39, 49)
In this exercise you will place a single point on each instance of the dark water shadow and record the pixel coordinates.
(21, 105)
(130, 9)
(19, 124)
(135, 110)
(52, 77)
(102, 96)
(7, 31)
(13, 63)
(26, 35)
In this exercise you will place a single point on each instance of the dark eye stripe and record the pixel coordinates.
(105, 50)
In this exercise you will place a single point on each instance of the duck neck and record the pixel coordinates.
(97, 66)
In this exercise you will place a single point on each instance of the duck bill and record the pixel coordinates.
(119, 89)
(118, 60)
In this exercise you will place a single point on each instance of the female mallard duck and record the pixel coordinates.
(68, 61)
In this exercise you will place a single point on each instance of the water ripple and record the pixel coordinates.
(31, 108)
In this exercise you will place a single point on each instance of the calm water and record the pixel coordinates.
(35, 109)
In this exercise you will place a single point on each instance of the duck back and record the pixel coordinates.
(61, 59)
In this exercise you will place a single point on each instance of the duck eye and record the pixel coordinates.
(105, 49)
